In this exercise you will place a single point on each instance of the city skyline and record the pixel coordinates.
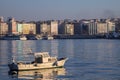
(63, 9)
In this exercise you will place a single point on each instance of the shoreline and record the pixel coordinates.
(67, 37)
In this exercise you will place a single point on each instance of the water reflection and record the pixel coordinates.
(66, 48)
(54, 48)
(39, 74)
(88, 59)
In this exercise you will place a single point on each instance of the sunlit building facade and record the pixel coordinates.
(95, 28)
(3, 28)
(67, 29)
(54, 28)
(111, 26)
(19, 28)
(28, 28)
(44, 29)
(101, 28)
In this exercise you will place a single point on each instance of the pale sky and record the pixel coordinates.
(59, 9)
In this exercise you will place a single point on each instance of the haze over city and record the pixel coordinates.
(59, 9)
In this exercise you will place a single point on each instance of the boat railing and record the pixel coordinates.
(51, 59)
(62, 59)
(24, 62)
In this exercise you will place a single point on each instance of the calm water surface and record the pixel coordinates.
(88, 59)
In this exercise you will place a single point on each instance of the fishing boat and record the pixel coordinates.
(42, 60)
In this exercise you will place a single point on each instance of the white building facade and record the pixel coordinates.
(54, 28)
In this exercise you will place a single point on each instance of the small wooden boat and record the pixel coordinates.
(42, 61)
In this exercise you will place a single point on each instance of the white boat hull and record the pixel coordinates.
(34, 66)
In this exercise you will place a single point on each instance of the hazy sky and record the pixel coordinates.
(59, 9)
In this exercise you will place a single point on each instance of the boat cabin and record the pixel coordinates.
(43, 57)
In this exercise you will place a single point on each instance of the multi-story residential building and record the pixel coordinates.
(45, 29)
(101, 28)
(89, 27)
(42, 28)
(110, 26)
(53, 27)
(60, 24)
(117, 26)
(38, 27)
(84, 28)
(19, 27)
(3, 28)
(32, 28)
(77, 28)
(92, 28)
(12, 29)
(67, 29)
(28, 28)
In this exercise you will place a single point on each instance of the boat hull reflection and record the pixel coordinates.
(38, 74)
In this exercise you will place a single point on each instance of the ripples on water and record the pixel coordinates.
(88, 59)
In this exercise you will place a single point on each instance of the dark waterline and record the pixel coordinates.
(92, 59)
